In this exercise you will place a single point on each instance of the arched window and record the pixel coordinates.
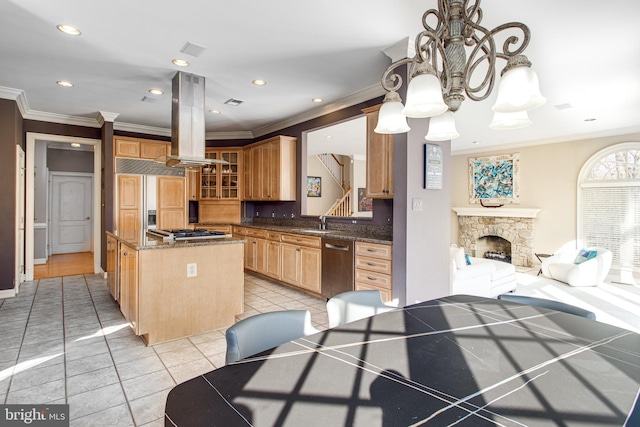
(609, 203)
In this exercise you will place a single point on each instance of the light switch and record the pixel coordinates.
(192, 270)
(416, 204)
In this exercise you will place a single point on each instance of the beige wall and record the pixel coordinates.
(548, 181)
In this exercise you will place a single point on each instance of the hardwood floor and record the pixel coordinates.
(65, 265)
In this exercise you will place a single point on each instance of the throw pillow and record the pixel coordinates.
(585, 255)
(467, 258)
(457, 254)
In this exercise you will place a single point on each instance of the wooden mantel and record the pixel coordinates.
(500, 212)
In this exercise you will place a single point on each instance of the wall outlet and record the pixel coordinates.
(192, 270)
(417, 204)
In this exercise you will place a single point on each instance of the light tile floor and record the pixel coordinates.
(64, 340)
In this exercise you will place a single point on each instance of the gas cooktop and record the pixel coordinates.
(186, 234)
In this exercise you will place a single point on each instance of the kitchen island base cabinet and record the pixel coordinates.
(163, 304)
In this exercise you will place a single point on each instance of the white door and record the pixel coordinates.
(71, 201)
(20, 183)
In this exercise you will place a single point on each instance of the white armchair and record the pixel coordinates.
(562, 266)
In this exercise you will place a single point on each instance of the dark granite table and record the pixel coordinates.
(461, 360)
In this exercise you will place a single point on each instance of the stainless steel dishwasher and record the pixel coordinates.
(337, 267)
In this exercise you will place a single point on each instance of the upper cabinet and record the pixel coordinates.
(140, 148)
(379, 158)
(221, 181)
(270, 167)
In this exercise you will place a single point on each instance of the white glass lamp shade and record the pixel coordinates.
(516, 120)
(424, 97)
(390, 117)
(518, 90)
(442, 128)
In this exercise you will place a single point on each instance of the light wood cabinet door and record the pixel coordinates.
(127, 148)
(153, 150)
(222, 181)
(112, 267)
(271, 170)
(257, 173)
(129, 285)
(290, 263)
(379, 159)
(129, 189)
(310, 266)
(193, 178)
(171, 203)
(273, 260)
(247, 182)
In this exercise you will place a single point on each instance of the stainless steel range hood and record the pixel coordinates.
(187, 123)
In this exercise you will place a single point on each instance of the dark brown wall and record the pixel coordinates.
(11, 134)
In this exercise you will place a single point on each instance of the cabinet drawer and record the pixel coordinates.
(375, 250)
(297, 239)
(385, 294)
(239, 231)
(253, 232)
(272, 235)
(226, 229)
(374, 264)
(373, 278)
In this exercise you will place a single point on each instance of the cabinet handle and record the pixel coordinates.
(372, 278)
(297, 249)
(372, 264)
(372, 250)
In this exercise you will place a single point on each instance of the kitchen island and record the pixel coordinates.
(171, 290)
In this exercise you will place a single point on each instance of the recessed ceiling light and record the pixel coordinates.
(181, 62)
(476, 142)
(156, 92)
(259, 82)
(75, 145)
(317, 100)
(329, 136)
(64, 83)
(69, 29)
(214, 111)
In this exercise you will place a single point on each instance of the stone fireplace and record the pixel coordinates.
(498, 230)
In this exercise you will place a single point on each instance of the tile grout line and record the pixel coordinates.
(115, 367)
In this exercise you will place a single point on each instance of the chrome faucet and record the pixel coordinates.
(323, 222)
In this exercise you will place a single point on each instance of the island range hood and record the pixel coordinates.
(187, 123)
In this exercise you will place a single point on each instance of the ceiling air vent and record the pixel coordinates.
(193, 49)
(233, 102)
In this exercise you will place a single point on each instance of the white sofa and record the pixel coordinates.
(562, 266)
(483, 277)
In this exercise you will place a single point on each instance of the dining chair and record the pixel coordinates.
(550, 304)
(354, 305)
(264, 331)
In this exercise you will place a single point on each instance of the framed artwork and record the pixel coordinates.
(365, 204)
(314, 186)
(494, 180)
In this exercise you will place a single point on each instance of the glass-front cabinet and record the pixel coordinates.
(220, 181)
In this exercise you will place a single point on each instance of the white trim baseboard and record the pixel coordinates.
(8, 293)
(39, 261)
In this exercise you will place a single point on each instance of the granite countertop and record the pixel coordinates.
(139, 240)
(361, 234)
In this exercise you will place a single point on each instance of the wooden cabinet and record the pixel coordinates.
(140, 148)
(271, 170)
(222, 181)
(373, 268)
(272, 253)
(379, 159)
(301, 261)
(129, 188)
(113, 253)
(172, 211)
(193, 178)
(129, 285)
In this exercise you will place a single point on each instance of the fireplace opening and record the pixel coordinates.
(494, 247)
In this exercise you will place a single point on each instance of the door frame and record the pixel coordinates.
(34, 138)
(50, 203)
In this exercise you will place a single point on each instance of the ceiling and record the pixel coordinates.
(584, 51)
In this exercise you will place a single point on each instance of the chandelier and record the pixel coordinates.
(441, 73)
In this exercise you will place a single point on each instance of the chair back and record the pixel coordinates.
(354, 305)
(550, 304)
(261, 332)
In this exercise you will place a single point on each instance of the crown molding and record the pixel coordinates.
(348, 101)
(17, 95)
(132, 127)
(105, 116)
(65, 119)
(405, 48)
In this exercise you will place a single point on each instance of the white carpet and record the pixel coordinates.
(612, 303)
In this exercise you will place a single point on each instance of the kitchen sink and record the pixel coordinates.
(314, 230)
